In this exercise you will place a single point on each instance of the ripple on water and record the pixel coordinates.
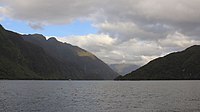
(99, 96)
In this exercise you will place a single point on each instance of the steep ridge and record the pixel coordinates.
(184, 65)
(20, 59)
(92, 67)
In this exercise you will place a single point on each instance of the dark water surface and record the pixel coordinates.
(99, 96)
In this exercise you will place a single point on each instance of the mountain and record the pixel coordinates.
(182, 65)
(92, 67)
(22, 59)
(123, 68)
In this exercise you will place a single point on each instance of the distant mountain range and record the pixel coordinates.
(35, 57)
(123, 68)
(184, 65)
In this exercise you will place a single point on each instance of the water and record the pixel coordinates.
(99, 96)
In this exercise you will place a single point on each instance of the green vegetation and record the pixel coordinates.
(73, 56)
(183, 65)
(49, 59)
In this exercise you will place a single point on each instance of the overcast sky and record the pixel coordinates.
(117, 31)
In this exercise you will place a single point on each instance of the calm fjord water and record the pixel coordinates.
(99, 96)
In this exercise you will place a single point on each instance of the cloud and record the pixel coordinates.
(48, 11)
(3, 12)
(136, 51)
(147, 18)
(172, 10)
(177, 41)
(91, 42)
(36, 26)
(132, 31)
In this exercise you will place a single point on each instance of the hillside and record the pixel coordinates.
(182, 65)
(20, 59)
(123, 68)
(92, 67)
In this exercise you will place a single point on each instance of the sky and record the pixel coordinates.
(116, 31)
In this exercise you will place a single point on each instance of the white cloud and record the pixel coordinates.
(177, 41)
(139, 52)
(91, 42)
